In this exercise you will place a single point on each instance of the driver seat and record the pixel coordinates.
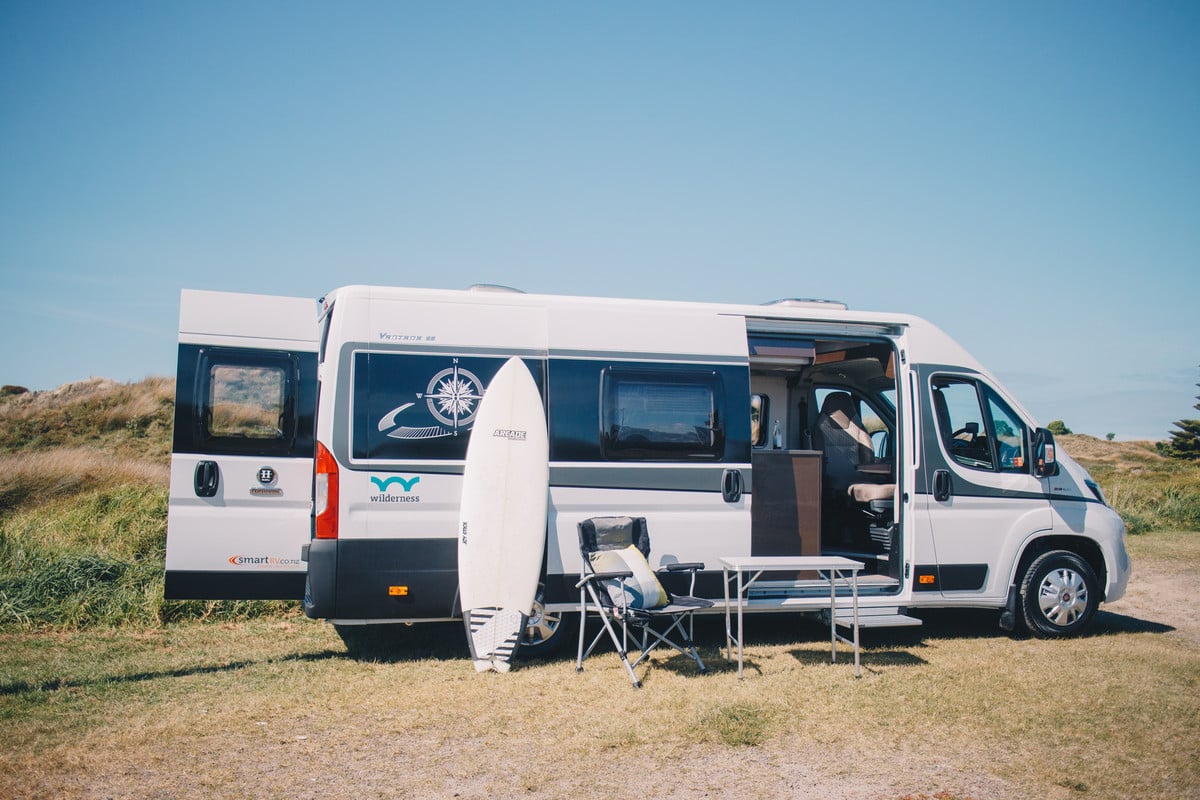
(846, 446)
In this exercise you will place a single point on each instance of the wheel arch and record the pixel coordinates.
(1085, 548)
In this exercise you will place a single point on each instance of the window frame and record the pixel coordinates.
(613, 377)
(208, 441)
(985, 397)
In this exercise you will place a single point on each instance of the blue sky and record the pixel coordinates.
(1024, 175)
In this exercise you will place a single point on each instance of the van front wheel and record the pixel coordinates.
(1059, 595)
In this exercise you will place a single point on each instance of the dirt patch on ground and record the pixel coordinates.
(1160, 597)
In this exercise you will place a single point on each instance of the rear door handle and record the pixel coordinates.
(941, 485)
(207, 479)
(731, 485)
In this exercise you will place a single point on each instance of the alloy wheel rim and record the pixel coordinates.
(1063, 596)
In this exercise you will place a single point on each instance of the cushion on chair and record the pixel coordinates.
(642, 590)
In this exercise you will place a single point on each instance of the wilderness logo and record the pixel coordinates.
(385, 495)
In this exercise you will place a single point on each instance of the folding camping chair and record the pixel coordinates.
(618, 585)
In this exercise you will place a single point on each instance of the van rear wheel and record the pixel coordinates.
(545, 631)
(1059, 595)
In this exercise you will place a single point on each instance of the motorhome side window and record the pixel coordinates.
(245, 402)
(977, 428)
(661, 415)
(409, 406)
(866, 418)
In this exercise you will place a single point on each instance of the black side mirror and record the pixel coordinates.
(1045, 461)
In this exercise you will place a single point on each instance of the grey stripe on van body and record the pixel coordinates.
(973, 490)
(661, 477)
(654, 477)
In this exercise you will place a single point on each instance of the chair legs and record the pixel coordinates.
(621, 644)
(650, 638)
(687, 647)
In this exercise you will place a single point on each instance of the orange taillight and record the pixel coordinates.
(325, 494)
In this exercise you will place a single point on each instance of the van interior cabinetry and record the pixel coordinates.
(785, 513)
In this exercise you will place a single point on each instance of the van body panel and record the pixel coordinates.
(654, 409)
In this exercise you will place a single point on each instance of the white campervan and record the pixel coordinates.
(319, 449)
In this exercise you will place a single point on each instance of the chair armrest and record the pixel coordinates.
(689, 566)
(603, 576)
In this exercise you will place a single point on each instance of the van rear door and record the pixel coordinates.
(241, 462)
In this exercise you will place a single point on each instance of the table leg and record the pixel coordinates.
(854, 588)
(833, 616)
(728, 631)
(739, 615)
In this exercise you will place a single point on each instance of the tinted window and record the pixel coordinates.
(653, 415)
(246, 402)
(1010, 435)
(415, 407)
(977, 429)
(868, 418)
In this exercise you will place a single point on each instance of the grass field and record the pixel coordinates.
(275, 708)
(107, 691)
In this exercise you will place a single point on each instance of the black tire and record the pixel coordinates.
(1059, 595)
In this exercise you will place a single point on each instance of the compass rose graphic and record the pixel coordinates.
(453, 396)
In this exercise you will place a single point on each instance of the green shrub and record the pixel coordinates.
(97, 559)
(1165, 499)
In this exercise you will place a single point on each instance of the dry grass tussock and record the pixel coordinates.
(45, 475)
(1151, 492)
(1131, 456)
(132, 419)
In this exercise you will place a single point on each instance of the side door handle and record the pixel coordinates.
(731, 485)
(941, 485)
(207, 479)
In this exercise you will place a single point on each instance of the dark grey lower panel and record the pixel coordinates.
(366, 568)
(240, 585)
(950, 577)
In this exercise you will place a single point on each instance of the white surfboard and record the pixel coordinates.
(502, 524)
